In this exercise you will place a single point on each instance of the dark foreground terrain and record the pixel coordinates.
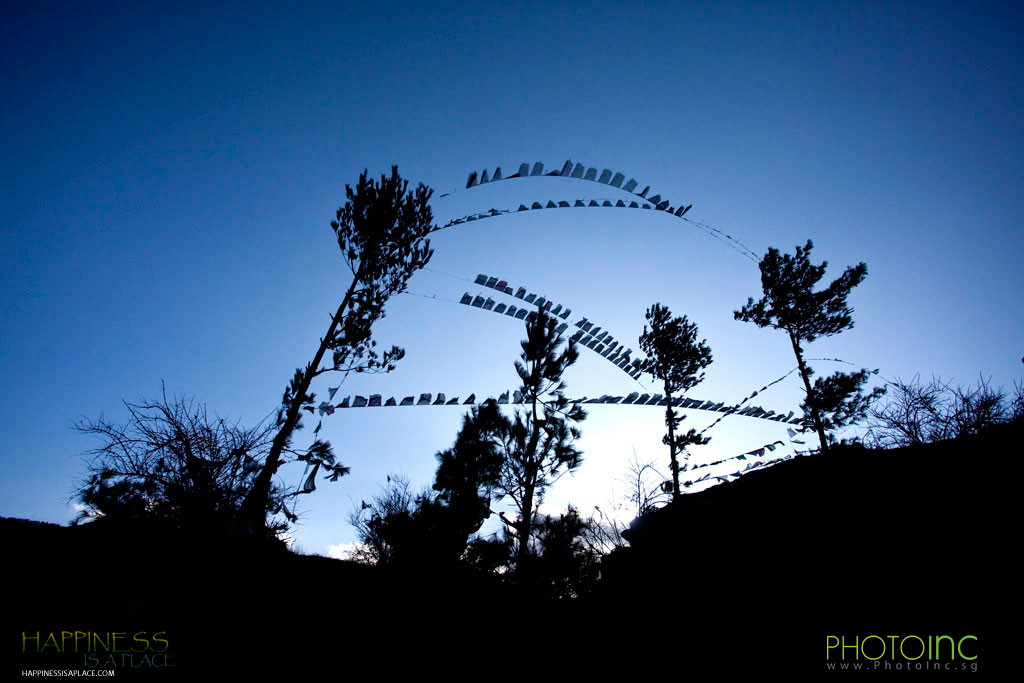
(751, 577)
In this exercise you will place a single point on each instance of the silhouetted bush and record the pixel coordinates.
(171, 461)
(384, 526)
(924, 413)
(490, 554)
(567, 565)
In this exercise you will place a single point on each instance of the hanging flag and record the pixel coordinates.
(310, 484)
(288, 513)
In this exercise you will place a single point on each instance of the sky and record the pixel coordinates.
(168, 174)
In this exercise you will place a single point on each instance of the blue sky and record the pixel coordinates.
(169, 174)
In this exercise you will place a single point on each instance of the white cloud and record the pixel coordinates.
(84, 513)
(341, 551)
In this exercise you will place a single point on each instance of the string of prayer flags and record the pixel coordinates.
(516, 398)
(602, 344)
(617, 180)
(764, 388)
(578, 172)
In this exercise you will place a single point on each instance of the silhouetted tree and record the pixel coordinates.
(538, 443)
(467, 475)
(677, 360)
(434, 526)
(381, 231)
(493, 457)
(172, 461)
(791, 304)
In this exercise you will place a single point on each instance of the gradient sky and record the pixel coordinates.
(169, 173)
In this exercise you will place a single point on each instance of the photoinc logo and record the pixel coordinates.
(901, 653)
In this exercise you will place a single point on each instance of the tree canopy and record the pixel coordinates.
(539, 442)
(468, 472)
(790, 303)
(677, 360)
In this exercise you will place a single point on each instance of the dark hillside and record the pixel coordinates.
(225, 606)
(915, 540)
(747, 575)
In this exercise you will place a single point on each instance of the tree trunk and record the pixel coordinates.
(669, 414)
(252, 514)
(530, 483)
(815, 417)
(525, 525)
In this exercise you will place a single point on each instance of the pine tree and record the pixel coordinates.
(539, 442)
(677, 360)
(467, 474)
(791, 304)
(381, 231)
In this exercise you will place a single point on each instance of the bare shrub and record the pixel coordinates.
(917, 412)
